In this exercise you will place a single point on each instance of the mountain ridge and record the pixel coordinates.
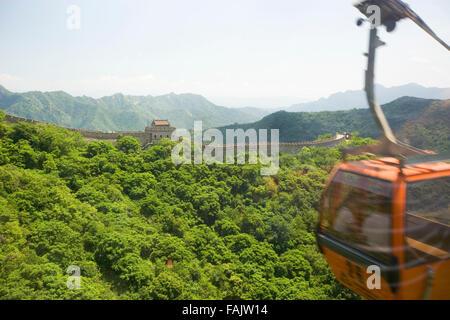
(351, 99)
(119, 111)
(403, 114)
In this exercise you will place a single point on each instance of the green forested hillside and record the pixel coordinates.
(119, 112)
(123, 215)
(402, 114)
(431, 130)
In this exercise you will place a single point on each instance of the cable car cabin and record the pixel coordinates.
(374, 213)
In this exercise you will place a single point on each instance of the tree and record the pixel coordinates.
(99, 147)
(141, 227)
(167, 286)
(3, 127)
(128, 145)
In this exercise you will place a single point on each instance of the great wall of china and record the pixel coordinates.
(146, 137)
(154, 133)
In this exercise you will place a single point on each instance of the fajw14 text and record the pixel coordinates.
(246, 309)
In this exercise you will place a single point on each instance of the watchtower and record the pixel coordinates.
(158, 130)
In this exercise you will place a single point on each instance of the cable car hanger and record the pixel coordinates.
(373, 214)
(391, 11)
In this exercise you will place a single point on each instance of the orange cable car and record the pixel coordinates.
(375, 212)
(389, 215)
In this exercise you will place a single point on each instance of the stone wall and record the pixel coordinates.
(289, 147)
(90, 135)
(145, 137)
(157, 133)
(14, 119)
(296, 147)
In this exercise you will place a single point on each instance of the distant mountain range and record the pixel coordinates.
(122, 112)
(422, 122)
(352, 99)
(127, 112)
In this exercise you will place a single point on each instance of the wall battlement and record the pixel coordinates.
(147, 137)
(287, 147)
(162, 129)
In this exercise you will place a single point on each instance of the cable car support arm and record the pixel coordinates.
(390, 145)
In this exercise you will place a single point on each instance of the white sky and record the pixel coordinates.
(234, 52)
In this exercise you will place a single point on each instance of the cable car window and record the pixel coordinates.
(359, 213)
(427, 227)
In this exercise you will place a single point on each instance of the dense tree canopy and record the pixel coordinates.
(140, 227)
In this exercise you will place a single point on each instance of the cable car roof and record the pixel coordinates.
(389, 168)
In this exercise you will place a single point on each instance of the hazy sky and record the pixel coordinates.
(243, 52)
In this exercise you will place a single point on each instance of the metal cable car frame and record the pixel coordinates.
(390, 146)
